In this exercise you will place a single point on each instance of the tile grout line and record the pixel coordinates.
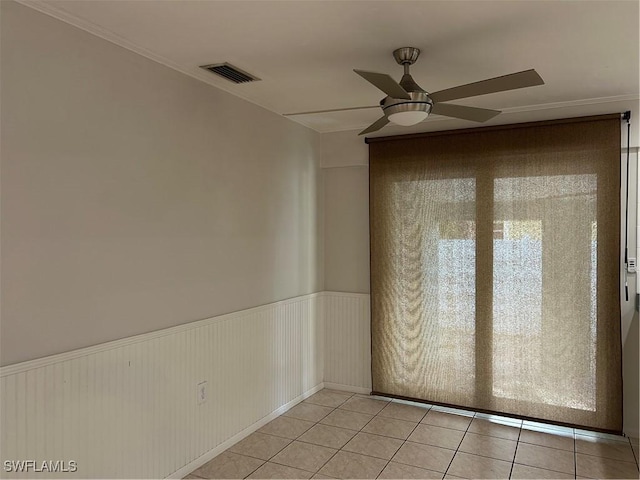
(318, 423)
(361, 431)
(283, 465)
(296, 439)
(339, 449)
(387, 436)
(403, 442)
(258, 458)
(515, 452)
(256, 469)
(460, 443)
(635, 454)
(265, 461)
(544, 446)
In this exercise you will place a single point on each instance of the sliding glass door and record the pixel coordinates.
(494, 270)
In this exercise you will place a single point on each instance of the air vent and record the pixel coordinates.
(231, 73)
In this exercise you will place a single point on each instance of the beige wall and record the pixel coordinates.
(347, 229)
(345, 161)
(630, 330)
(135, 198)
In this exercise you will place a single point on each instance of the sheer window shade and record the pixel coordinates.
(495, 269)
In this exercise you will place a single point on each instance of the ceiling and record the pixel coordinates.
(304, 52)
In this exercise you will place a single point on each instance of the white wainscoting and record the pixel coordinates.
(347, 362)
(128, 408)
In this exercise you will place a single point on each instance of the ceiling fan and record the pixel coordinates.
(408, 104)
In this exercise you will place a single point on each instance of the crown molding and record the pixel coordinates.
(523, 109)
(47, 8)
(573, 103)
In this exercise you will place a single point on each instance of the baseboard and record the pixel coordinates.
(347, 388)
(211, 454)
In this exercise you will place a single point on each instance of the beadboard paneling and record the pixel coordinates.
(129, 408)
(348, 341)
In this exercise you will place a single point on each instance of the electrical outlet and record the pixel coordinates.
(631, 265)
(202, 392)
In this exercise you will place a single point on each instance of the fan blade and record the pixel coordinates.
(329, 111)
(465, 113)
(375, 126)
(528, 78)
(385, 83)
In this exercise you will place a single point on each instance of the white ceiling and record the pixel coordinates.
(304, 52)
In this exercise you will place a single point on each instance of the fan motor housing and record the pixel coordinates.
(420, 102)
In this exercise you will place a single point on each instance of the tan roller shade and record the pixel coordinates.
(495, 269)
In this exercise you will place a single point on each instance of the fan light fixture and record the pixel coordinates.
(408, 112)
(407, 119)
(408, 104)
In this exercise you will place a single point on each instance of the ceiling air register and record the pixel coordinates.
(229, 72)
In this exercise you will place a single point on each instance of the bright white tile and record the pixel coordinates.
(511, 422)
(455, 411)
(605, 436)
(548, 428)
(409, 402)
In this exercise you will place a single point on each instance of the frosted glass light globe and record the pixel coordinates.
(408, 118)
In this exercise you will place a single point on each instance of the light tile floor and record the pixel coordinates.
(335, 434)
